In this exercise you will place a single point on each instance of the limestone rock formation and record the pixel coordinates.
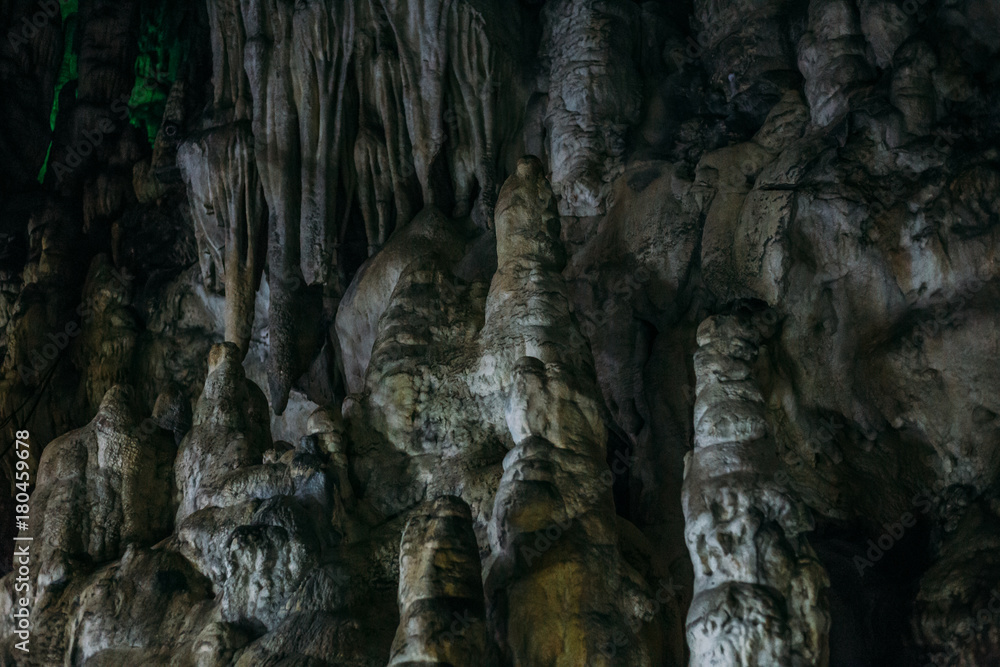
(527, 332)
(759, 588)
(441, 608)
(227, 205)
(592, 97)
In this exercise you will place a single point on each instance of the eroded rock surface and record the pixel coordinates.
(575, 332)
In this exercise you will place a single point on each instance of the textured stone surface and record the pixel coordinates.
(759, 590)
(575, 332)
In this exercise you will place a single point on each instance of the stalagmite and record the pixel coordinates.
(108, 336)
(230, 430)
(441, 611)
(557, 566)
(759, 589)
(99, 489)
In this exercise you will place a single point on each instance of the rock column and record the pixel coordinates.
(759, 593)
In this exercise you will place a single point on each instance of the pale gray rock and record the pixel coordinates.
(759, 590)
(593, 97)
(230, 431)
(227, 205)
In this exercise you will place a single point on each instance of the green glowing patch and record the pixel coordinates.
(162, 52)
(67, 70)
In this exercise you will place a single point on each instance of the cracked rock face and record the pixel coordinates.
(538, 333)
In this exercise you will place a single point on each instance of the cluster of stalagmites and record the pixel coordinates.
(239, 543)
(833, 160)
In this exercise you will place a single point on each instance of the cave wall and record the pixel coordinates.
(459, 332)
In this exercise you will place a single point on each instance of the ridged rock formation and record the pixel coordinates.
(758, 587)
(228, 207)
(558, 567)
(102, 487)
(489, 332)
(441, 609)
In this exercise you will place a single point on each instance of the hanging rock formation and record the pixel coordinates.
(564, 332)
(592, 97)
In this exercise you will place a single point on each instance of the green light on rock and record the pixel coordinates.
(162, 52)
(68, 71)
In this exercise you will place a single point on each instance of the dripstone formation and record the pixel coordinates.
(514, 333)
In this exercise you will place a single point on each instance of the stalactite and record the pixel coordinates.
(297, 59)
(229, 211)
(321, 50)
(450, 57)
(593, 97)
(420, 29)
(231, 89)
(388, 191)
